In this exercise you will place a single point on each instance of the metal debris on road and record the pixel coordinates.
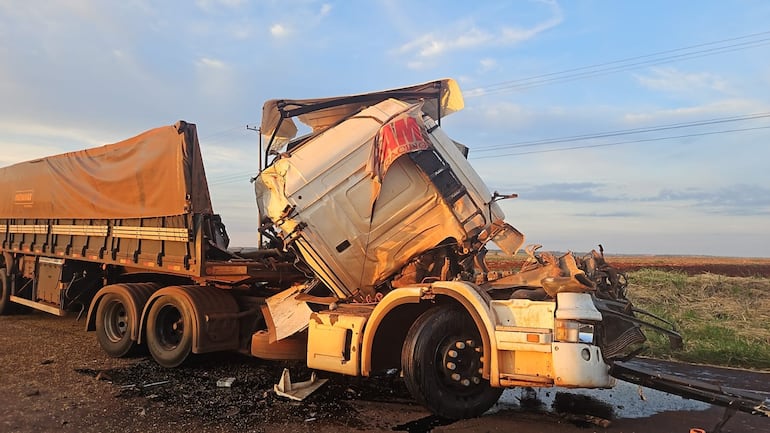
(297, 391)
(227, 382)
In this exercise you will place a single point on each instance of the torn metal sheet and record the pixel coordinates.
(285, 314)
(297, 391)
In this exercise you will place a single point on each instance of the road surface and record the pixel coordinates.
(54, 377)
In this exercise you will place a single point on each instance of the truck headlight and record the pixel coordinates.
(567, 331)
(572, 331)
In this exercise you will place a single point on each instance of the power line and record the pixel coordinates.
(221, 133)
(660, 57)
(643, 140)
(231, 177)
(621, 132)
(622, 65)
(245, 176)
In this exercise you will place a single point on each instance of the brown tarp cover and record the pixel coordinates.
(157, 173)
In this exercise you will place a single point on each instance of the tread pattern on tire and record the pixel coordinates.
(420, 363)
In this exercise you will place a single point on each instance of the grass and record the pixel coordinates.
(723, 320)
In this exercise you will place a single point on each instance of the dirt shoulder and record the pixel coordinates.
(56, 378)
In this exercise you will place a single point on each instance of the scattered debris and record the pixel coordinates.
(529, 400)
(47, 361)
(133, 386)
(227, 382)
(102, 375)
(32, 392)
(297, 391)
(586, 419)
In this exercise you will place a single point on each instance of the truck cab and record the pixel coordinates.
(394, 222)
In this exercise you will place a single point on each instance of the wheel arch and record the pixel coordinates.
(397, 311)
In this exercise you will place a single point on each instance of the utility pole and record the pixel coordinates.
(259, 170)
(259, 130)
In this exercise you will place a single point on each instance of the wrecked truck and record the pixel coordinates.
(373, 230)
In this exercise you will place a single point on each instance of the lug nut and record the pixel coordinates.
(452, 354)
(451, 365)
(470, 343)
(456, 377)
(476, 380)
(466, 382)
(460, 345)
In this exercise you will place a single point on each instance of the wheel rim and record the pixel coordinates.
(170, 327)
(461, 365)
(116, 321)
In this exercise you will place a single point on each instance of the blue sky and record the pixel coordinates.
(81, 73)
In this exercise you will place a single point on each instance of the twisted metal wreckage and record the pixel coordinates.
(371, 259)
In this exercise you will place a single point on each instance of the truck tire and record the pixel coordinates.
(114, 324)
(6, 306)
(441, 361)
(169, 331)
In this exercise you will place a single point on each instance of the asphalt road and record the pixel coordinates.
(54, 377)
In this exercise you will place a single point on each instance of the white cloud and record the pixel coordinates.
(672, 80)
(724, 107)
(430, 45)
(212, 5)
(211, 63)
(36, 139)
(466, 35)
(279, 30)
(326, 8)
(215, 79)
(487, 64)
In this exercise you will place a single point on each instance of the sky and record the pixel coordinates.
(642, 126)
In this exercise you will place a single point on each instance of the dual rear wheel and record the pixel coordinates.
(168, 327)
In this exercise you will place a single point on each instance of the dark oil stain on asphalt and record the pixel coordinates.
(423, 425)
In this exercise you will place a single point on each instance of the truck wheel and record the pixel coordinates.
(169, 331)
(114, 325)
(5, 293)
(441, 359)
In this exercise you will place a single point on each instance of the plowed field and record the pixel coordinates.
(690, 265)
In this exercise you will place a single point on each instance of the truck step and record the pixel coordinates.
(48, 308)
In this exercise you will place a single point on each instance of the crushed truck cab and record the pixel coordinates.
(394, 223)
